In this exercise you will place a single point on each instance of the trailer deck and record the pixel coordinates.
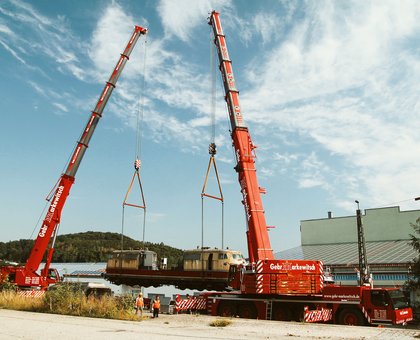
(182, 279)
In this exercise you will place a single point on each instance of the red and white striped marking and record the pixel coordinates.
(31, 293)
(191, 304)
(260, 277)
(323, 314)
(321, 271)
(260, 265)
(365, 313)
(259, 283)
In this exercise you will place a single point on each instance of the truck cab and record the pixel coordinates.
(386, 305)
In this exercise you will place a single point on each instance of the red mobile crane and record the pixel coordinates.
(26, 276)
(285, 289)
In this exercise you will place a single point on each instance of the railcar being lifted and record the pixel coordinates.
(201, 269)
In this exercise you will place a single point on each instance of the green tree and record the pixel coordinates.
(87, 247)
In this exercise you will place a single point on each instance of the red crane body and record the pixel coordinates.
(27, 276)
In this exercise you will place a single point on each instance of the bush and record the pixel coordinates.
(220, 323)
(64, 298)
(7, 286)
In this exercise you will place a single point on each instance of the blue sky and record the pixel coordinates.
(329, 91)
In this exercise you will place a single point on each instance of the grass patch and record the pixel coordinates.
(69, 301)
(220, 323)
(11, 300)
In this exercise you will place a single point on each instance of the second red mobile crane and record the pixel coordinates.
(285, 289)
(27, 276)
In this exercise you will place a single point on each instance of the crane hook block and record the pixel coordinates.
(137, 164)
(212, 149)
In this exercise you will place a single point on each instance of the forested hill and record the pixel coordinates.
(85, 247)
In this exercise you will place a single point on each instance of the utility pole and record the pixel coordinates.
(365, 275)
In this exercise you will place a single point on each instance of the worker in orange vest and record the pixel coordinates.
(139, 304)
(156, 306)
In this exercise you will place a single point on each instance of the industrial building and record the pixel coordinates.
(333, 240)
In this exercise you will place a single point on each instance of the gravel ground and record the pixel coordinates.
(26, 325)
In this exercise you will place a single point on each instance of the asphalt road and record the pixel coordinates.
(26, 325)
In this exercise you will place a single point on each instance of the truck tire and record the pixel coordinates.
(281, 313)
(247, 310)
(351, 317)
(226, 308)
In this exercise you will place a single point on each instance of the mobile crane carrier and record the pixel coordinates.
(27, 277)
(284, 289)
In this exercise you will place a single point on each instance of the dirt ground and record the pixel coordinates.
(26, 325)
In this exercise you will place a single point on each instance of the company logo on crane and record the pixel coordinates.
(57, 198)
(51, 211)
(43, 231)
(290, 266)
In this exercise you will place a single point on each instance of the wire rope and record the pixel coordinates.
(137, 151)
(212, 146)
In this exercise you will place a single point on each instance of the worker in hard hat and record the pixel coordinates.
(156, 306)
(139, 305)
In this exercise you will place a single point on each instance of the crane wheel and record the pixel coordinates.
(351, 317)
(247, 310)
(282, 313)
(226, 308)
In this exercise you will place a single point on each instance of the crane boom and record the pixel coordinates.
(264, 274)
(28, 276)
(259, 247)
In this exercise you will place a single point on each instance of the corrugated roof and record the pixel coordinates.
(92, 273)
(384, 252)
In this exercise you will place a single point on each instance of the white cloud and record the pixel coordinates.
(173, 84)
(5, 30)
(12, 52)
(37, 88)
(346, 76)
(61, 107)
(179, 18)
(266, 24)
(38, 36)
(110, 37)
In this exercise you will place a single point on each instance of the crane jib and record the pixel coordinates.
(225, 66)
